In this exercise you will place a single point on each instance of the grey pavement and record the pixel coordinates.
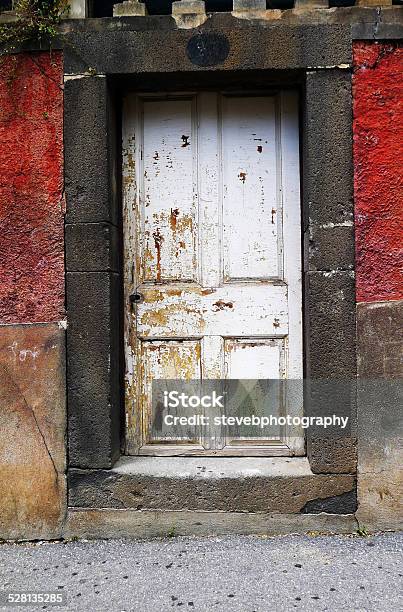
(219, 573)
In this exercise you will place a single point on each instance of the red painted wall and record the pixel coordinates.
(31, 188)
(378, 177)
(31, 181)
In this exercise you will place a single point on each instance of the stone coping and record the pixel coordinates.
(133, 524)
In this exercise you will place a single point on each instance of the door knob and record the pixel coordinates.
(135, 298)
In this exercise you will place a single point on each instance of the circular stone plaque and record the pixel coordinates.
(207, 49)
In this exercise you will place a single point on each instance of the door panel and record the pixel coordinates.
(251, 247)
(230, 310)
(212, 248)
(166, 360)
(257, 359)
(168, 214)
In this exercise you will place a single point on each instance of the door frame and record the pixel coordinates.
(94, 301)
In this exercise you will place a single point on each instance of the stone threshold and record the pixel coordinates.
(213, 467)
(211, 484)
(91, 524)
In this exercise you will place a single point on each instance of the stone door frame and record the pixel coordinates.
(101, 62)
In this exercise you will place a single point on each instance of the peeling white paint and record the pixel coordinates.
(330, 273)
(331, 67)
(86, 75)
(332, 225)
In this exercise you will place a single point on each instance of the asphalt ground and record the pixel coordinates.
(232, 573)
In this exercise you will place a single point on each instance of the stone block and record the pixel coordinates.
(92, 247)
(152, 524)
(329, 247)
(330, 334)
(245, 6)
(205, 484)
(32, 431)
(346, 503)
(379, 409)
(8, 17)
(331, 355)
(90, 182)
(110, 49)
(387, 29)
(78, 9)
(332, 455)
(189, 14)
(328, 168)
(311, 4)
(93, 363)
(188, 7)
(130, 8)
(379, 326)
(374, 2)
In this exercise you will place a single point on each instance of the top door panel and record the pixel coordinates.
(169, 198)
(251, 215)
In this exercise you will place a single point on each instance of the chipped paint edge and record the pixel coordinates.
(85, 75)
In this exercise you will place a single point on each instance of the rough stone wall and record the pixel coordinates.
(32, 353)
(378, 151)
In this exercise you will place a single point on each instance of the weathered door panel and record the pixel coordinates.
(212, 248)
(252, 244)
(231, 310)
(168, 213)
(166, 360)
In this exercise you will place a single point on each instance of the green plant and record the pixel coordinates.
(36, 21)
(362, 532)
(172, 532)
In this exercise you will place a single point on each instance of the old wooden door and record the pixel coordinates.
(212, 249)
